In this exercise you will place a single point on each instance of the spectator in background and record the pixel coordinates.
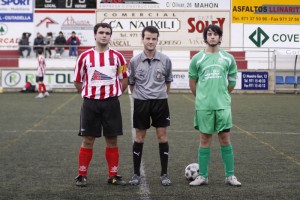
(38, 44)
(74, 42)
(48, 43)
(24, 44)
(60, 42)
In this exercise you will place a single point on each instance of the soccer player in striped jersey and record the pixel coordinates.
(212, 77)
(40, 73)
(101, 76)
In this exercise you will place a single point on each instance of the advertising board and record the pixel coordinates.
(177, 29)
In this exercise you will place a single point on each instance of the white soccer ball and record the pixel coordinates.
(191, 171)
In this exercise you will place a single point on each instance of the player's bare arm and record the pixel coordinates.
(230, 88)
(124, 83)
(192, 84)
(131, 88)
(168, 86)
(78, 86)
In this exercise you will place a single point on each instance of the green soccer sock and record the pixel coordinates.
(203, 160)
(228, 159)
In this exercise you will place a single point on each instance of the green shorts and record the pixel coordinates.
(212, 121)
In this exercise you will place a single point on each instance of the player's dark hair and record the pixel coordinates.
(103, 25)
(151, 29)
(40, 51)
(214, 28)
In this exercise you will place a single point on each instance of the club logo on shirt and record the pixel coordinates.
(220, 60)
(100, 76)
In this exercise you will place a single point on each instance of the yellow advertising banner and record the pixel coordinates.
(266, 12)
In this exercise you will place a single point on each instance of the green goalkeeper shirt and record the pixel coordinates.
(213, 73)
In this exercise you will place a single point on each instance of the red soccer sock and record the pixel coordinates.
(112, 158)
(40, 88)
(84, 159)
(44, 87)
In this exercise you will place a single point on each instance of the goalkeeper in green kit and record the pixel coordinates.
(212, 76)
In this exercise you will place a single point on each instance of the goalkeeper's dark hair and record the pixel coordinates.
(215, 29)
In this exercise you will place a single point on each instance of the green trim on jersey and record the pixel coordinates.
(212, 72)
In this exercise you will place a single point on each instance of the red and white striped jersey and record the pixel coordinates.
(100, 73)
(41, 70)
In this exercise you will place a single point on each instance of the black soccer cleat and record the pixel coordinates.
(116, 180)
(81, 181)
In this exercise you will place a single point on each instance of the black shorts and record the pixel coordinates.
(156, 109)
(39, 79)
(100, 115)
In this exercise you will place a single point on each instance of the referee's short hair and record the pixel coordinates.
(151, 29)
(214, 28)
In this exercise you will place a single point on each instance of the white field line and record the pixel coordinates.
(150, 131)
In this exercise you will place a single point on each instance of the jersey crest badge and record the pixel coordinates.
(100, 76)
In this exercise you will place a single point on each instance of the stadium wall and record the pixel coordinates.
(253, 30)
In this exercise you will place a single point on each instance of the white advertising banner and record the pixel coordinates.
(53, 78)
(16, 11)
(10, 33)
(271, 36)
(163, 4)
(238, 85)
(80, 21)
(288, 52)
(64, 79)
(177, 29)
(180, 80)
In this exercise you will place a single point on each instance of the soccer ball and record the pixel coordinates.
(191, 171)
